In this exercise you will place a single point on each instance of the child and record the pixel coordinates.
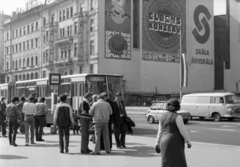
(75, 127)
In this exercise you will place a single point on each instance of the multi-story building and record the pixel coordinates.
(3, 18)
(141, 40)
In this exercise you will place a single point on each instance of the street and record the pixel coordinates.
(207, 131)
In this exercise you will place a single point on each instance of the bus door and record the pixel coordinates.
(78, 91)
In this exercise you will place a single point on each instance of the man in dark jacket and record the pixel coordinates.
(63, 118)
(20, 106)
(85, 118)
(3, 116)
(119, 117)
(13, 119)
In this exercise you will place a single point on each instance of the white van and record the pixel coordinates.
(212, 105)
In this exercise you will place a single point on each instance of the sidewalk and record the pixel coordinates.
(138, 154)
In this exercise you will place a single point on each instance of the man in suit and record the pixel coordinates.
(119, 117)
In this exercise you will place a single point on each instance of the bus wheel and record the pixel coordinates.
(202, 118)
(230, 119)
(151, 119)
(216, 117)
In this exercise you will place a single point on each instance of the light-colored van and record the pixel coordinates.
(212, 105)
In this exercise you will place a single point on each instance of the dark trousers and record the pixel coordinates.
(120, 132)
(13, 125)
(3, 127)
(39, 124)
(84, 133)
(63, 133)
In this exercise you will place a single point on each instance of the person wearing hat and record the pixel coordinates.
(119, 117)
(40, 116)
(85, 118)
(101, 111)
(172, 136)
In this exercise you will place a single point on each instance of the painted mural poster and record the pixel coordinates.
(118, 29)
(162, 23)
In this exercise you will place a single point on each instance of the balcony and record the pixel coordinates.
(78, 60)
(48, 64)
(63, 63)
(64, 41)
(78, 14)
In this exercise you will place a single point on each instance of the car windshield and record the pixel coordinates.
(231, 99)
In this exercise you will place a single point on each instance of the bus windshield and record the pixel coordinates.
(230, 99)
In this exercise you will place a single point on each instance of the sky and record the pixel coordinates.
(7, 6)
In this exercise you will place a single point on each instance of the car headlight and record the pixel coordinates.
(230, 110)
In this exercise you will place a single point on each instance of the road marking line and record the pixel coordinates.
(226, 126)
(231, 130)
(194, 131)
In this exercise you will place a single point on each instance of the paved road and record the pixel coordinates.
(207, 131)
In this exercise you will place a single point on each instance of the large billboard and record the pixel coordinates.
(118, 29)
(201, 32)
(163, 22)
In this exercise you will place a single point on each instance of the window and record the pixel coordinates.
(36, 60)
(81, 7)
(75, 27)
(31, 61)
(44, 21)
(20, 65)
(27, 44)
(20, 77)
(23, 76)
(71, 11)
(24, 32)
(46, 55)
(32, 25)
(28, 29)
(13, 33)
(36, 75)
(36, 26)
(24, 46)
(7, 51)
(75, 49)
(68, 31)
(16, 48)
(36, 42)
(62, 51)
(71, 71)
(92, 5)
(13, 65)
(91, 47)
(81, 28)
(63, 14)
(44, 38)
(91, 25)
(218, 100)
(27, 76)
(60, 15)
(7, 66)
(7, 36)
(65, 52)
(16, 32)
(91, 69)
(47, 35)
(24, 62)
(27, 62)
(20, 47)
(67, 13)
(20, 32)
(31, 43)
(53, 18)
(80, 69)
(60, 31)
(16, 64)
(69, 51)
(63, 31)
(32, 76)
(44, 74)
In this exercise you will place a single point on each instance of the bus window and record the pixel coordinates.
(65, 89)
(21, 92)
(114, 85)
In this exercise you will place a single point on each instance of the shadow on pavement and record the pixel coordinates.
(10, 157)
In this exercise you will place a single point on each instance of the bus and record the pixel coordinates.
(74, 86)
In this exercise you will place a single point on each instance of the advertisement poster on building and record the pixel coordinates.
(118, 29)
(162, 24)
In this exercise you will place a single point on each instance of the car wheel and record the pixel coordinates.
(151, 119)
(185, 121)
(230, 119)
(216, 117)
(202, 118)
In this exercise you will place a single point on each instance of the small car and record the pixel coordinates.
(157, 109)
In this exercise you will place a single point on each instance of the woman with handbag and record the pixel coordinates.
(172, 136)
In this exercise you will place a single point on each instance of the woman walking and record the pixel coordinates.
(171, 136)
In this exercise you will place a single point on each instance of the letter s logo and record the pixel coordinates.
(199, 25)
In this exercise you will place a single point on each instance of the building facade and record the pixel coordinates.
(139, 39)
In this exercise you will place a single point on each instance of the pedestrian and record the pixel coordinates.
(119, 118)
(101, 111)
(29, 109)
(20, 106)
(171, 136)
(3, 116)
(85, 118)
(75, 126)
(34, 95)
(40, 116)
(63, 118)
(94, 99)
(13, 116)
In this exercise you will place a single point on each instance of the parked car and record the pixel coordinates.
(157, 109)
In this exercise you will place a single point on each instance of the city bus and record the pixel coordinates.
(74, 86)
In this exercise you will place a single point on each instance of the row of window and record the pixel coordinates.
(66, 13)
(30, 44)
(24, 30)
(19, 63)
(27, 76)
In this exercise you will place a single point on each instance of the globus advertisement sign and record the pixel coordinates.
(118, 29)
(201, 34)
(163, 23)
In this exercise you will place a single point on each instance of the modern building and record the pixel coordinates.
(3, 17)
(139, 39)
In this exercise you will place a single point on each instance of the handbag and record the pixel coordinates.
(157, 149)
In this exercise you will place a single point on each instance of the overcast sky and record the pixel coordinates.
(7, 6)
